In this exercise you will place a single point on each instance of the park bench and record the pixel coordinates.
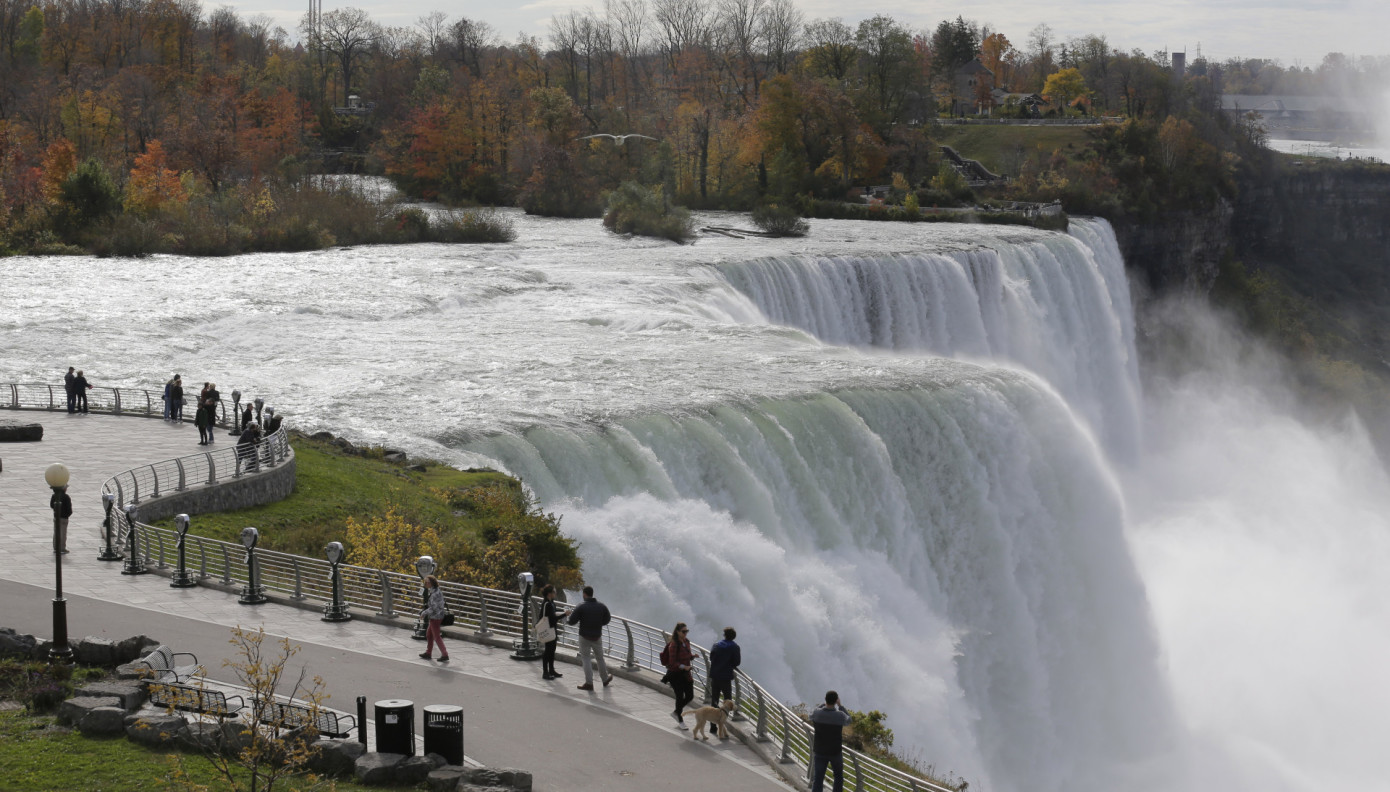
(195, 699)
(164, 667)
(289, 715)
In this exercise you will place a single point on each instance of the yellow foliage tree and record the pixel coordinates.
(1064, 86)
(153, 184)
(389, 542)
(59, 162)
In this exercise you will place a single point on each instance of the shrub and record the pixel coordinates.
(634, 209)
(126, 236)
(556, 188)
(782, 221)
(473, 225)
(411, 224)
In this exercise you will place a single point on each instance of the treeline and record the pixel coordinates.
(141, 120)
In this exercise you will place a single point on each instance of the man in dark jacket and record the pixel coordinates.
(591, 616)
(830, 720)
(724, 658)
(70, 381)
(80, 386)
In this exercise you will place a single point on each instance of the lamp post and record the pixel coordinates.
(236, 413)
(254, 592)
(260, 403)
(134, 564)
(335, 611)
(526, 649)
(108, 553)
(424, 565)
(57, 477)
(181, 578)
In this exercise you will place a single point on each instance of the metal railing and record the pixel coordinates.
(111, 401)
(207, 468)
(495, 613)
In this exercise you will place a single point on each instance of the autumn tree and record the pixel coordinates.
(389, 542)
(1064, 86)
(153, 185)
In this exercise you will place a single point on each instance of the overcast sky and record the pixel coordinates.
(1295, 32)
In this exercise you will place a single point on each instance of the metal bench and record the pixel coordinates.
(289, 715)
(195, 699)
(164, 667)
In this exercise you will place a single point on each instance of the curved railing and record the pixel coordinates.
(112, 401)
(206, 468)
(494, 613)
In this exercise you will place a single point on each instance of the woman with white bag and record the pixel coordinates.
(547, 634)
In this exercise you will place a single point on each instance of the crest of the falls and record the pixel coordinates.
(1058, 307)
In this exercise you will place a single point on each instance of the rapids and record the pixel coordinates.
(912, 463)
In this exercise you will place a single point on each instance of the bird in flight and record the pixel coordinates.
(619, 139)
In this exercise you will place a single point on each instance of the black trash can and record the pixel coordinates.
(444, 732)
(395, 727)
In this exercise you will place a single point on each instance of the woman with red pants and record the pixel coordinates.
(434, 612)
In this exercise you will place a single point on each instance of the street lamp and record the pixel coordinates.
(236, 413)
(253, 593)
(525, 648)
(424, 566)
(335, 611)
(108, 553)
(57, 477)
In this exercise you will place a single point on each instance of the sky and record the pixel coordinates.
(1294, 32)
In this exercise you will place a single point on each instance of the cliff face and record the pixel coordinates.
(1180, 252)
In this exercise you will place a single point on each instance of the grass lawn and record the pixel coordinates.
(332, 485)
(36, 755)
(1003, 148)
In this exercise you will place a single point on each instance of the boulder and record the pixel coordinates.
(520, 780)
(103, 722)
(15, 431)
(158, 731)
(72, 711)
(131, 693)
(324, 436)
(482, 776)
(134, 648)
(94, 651)
(445, 779)
(13, 644)
(395, 457)
(204, 736)
(414, 770)
(377, 769)
(336, 758)
(134, 671)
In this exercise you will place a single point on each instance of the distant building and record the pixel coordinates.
(1179, 64)
(1030, 103)
(355, 106)
(1302, 117)
(973, 90)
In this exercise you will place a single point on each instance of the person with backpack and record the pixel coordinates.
(678, 660)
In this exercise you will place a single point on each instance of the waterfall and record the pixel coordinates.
(1055, 305)
(951, 554)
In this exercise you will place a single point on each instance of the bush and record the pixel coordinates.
(473, 225)
(634, 209)
(782, 221)
(556, 188)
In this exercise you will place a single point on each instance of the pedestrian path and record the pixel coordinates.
(620, 737)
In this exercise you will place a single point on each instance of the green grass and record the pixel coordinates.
(36, 755)
(1003, 148)
(331, 486)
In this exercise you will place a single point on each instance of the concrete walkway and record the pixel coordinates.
(621, 737)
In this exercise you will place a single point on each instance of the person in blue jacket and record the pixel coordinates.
(724, 659)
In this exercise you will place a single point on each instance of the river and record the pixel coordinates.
(919, 464)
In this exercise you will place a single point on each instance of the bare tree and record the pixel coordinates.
(630, 23)
(432, 30)
(739, 30)
(469, 39)
(781, 33)
(347, 34)
(683, 24)
(832, 45)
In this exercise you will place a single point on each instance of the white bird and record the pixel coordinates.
(616, 138)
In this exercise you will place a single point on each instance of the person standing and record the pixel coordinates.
(61, 505)
(435, 608)
(212, 398)
(200, 417)
(591, 616)
(81, 387)
(830, 720)
(168, 401)
(70, 382)
(724, 659)
(678, 659)
(248, 450)
(176, 399)
(548, 613)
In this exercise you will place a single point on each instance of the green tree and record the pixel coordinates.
(1064, 86)
(888, 61)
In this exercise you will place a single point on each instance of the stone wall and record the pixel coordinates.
(267, 486)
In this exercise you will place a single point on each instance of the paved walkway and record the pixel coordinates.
(618, 738)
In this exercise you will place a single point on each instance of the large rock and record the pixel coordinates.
(103, 722)
(72, 711)
(336, 758)
(377, 769)
(158, 731)
(519, 780)
(445, 779)
(15, 431)
(94, 651)
(13, 644)
(204, 736)
(134, 648)
(131, 693)
(414, 770)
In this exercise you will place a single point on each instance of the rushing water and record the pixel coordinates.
(912, 463)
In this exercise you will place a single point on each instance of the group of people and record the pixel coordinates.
(77, 386)
(205, 417)
(173, 399)
(591, 616)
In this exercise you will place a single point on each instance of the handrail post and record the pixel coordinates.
(50, 398)
(786, 757)
(226, 567)
(761, 734)
(483, 617)
(155, 475)
(158, 537)
(298, 579)
(631, 664)
(149, 408)
(738, 701)
(182, 475)
(135, 485)
(858, 773)
(385, 596)
(212, 468)
(117, 391)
